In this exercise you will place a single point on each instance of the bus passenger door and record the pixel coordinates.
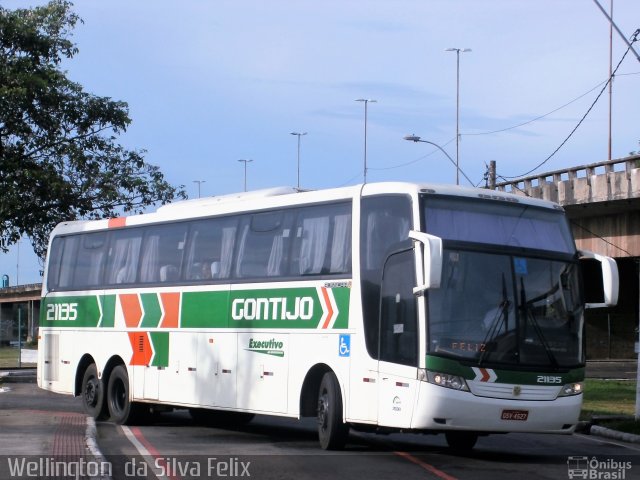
(398, 353)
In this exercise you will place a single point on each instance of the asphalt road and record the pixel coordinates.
(174, 447)
(276, 448)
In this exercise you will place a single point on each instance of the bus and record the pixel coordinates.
(380, 307)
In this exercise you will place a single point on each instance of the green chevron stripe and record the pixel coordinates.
(160, 343)
(152, 311)
(108, 304)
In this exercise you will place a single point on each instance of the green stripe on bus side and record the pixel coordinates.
(540, 377)
(274, 308)
(160, 342)
(152, 310)
(342, 296)
(204, 309)
(72, 311)
(108, 303)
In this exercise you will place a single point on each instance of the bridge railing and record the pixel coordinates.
(617, 179)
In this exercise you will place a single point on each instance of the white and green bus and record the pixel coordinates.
(379, 307)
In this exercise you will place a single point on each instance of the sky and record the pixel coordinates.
(210, 82)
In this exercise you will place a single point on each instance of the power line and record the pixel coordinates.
(633, 40)
(536, 118)
(600, 237)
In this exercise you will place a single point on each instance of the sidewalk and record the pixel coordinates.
(41, 429)
(612, 369)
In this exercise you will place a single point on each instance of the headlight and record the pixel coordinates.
(571, 389)
(444, 380)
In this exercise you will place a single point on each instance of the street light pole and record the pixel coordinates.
(245, 171)
(415, 139)
(458, 50)
(366, 102)
(199, 182)
(298, 135)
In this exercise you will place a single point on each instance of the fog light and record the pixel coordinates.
(448, 381)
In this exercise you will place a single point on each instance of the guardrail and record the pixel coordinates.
(597, 182)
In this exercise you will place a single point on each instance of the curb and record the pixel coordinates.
(614, 434)
(18, 376)
(92, 445)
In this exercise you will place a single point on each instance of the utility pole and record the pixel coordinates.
(492, 175)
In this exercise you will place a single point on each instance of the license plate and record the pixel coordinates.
(518, 415)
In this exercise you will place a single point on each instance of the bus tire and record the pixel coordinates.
(332, 431)
(461, 441)
(93, 393)
(121, 409)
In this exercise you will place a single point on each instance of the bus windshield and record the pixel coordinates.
(508, 224)
(503, 309)
(521, 306)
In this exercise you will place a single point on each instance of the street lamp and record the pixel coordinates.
(366, 102)
(298, 135)
(415, 138)
(458, 50)
(245, 171)
(199, 182)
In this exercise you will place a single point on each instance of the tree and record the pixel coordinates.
(59, 156)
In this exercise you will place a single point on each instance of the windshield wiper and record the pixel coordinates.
(501, 315)
(529, 315)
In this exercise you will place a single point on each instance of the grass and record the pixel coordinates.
(610, 398)
(9, 358)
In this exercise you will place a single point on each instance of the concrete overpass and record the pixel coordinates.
(602, 201)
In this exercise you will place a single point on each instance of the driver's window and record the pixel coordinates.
(398, 311)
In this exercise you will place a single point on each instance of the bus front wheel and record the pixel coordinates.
(121, 409)
(332, 431)
(93, 393)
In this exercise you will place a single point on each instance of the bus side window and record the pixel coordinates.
(90, 262)
(264, 245)
(56, 269)
(210, 251)
(162, 253)
(322, 243)
(124, 252)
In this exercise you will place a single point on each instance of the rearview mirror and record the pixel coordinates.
(600, 280)
(431, 261)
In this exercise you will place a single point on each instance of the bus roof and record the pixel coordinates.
(288, 196)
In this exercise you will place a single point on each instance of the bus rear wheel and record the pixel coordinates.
(93, 393)
(332, 431)
(121, 410)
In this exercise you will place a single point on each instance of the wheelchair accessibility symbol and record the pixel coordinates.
(344, 349)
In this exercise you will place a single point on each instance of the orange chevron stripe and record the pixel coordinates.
(171, 306)
(131, 309)
(141, 348)
(328, 304)
(117, 222)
